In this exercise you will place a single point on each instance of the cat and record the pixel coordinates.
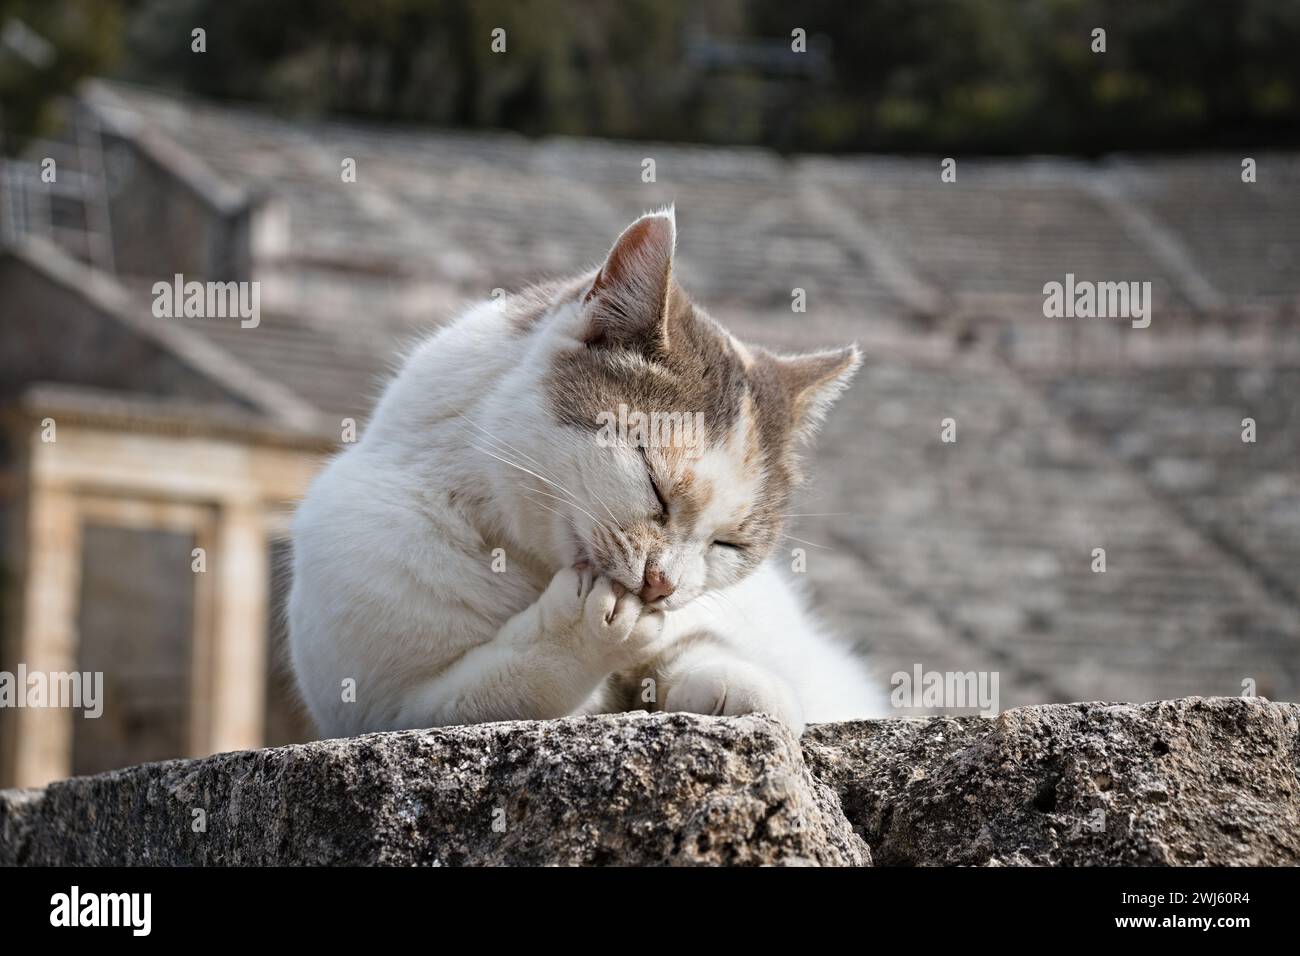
(480, 554)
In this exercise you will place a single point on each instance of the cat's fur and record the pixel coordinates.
(486, 440)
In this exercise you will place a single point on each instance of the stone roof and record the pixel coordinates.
(481, 210)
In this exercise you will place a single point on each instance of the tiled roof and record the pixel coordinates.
(479, 210)
(1244, 237)
(990, 539)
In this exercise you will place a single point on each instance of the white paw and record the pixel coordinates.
(603, 620)
(732, 689)
(562, 602)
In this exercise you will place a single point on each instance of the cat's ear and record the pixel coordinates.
(627, 304)
(811, 384)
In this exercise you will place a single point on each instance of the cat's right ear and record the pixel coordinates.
(627, 304)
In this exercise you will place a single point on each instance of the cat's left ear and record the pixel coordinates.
(813, 382)
(627, 304)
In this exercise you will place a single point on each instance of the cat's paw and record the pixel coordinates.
(733, 688)
(602, 620)
(619, 627)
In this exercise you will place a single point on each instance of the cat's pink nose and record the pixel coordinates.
(656, 586)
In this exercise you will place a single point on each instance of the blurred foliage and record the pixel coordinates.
(46, 47)
(1019, 76)
(995, 76)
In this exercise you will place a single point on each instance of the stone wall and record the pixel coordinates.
(1191, 781)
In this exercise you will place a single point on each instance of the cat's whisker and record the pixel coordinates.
(626, 551)
(621, 531)
(616, 542)
(621, 543)
(732, 605)
(587, 488)
(503, 443)
(543, 475)
(506, 461)
(473, 440)
(607, 540)
(712, 605)
(572, 504)
(547, 507)
(509, 452)
(527, 471)
(811, 544)
(624, 543)
(599, 528)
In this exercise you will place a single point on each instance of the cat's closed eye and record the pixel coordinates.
(663, 502)
(728, 544)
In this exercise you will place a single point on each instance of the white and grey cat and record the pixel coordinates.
(480, 554)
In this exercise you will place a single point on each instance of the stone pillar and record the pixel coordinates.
(42, 742)
(238, 651)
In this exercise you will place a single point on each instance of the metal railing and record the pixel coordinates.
(58, 190)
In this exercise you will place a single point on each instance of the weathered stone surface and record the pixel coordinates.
(1197, 780)
(1191, 781)
(630, 789)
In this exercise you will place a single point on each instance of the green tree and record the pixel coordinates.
(46, 47)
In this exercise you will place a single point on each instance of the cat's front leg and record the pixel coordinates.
(595, 620)
(546, 661)
(710, 679)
